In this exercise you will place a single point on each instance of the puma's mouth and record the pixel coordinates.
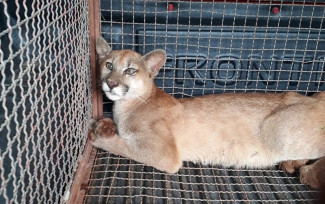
(115, 93)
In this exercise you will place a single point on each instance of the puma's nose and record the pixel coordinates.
(111, 84)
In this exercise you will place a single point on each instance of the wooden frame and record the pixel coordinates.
(81, 178)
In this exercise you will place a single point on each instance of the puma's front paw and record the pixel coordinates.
(292, 165)
(102, 128)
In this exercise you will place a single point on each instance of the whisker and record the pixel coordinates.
(138, 97)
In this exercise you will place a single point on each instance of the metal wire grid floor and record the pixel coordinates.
(115, 179)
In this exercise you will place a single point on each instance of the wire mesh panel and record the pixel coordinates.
(45, 102)
(224, 46)
(118, 180)
(213, 47)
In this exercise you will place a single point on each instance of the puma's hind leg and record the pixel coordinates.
(314, 174)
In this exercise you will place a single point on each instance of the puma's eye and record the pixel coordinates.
(109, 66)
(130, 71)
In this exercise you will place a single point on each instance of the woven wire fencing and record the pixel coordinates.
(213, 47)
(224, 46)
(45, 102)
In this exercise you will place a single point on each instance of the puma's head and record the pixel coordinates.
(126, 74)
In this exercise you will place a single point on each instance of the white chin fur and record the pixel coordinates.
(115, 95)
(105, 87)
(112, 97)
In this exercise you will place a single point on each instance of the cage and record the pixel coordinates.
(49, 92)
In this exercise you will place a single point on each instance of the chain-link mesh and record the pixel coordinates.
(45, 99)
(214, 47)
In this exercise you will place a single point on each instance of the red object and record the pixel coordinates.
(170, 7)
(262, 2)
(275, 10)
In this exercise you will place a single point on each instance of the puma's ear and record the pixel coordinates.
(102, 48)
(155, 60)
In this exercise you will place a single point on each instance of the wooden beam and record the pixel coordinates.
(81, 178)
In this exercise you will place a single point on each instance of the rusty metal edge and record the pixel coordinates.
(81, 177)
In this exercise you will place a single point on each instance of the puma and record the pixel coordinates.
(251, 130)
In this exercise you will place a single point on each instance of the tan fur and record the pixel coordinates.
(241, 130)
